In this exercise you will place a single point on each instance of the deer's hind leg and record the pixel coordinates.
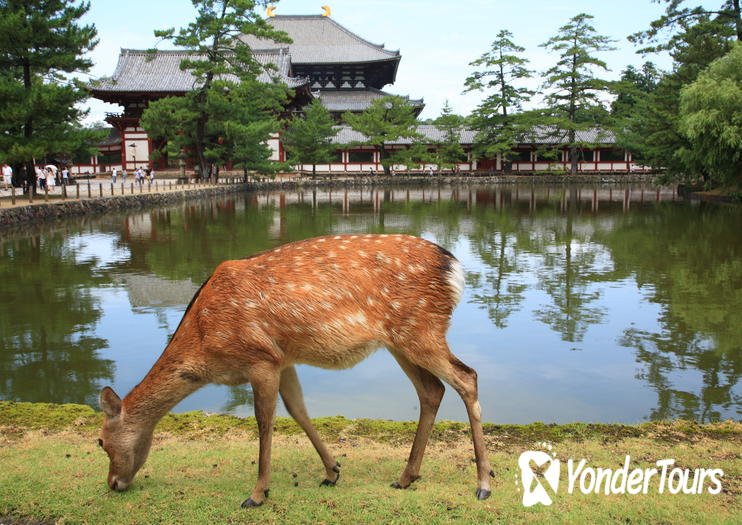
(435, 357)
(294, 400)
(430, 391)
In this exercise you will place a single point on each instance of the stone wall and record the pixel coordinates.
(57, 210)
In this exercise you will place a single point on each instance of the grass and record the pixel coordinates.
(201, 468)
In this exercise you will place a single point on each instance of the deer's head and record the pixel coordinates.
(126, 443)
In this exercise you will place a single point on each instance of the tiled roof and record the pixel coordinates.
(140, 70)
(113, 138)
(321, 40)
(550, 135)
(430, 134)
(356, 99)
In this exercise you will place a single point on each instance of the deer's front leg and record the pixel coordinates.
(265, 392)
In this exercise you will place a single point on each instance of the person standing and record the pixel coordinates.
(7, 176)
(123, 175)
(51, 180)
(65, 176)
(114, 174)
(40, 177)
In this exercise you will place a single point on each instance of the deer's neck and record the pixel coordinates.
(164, 386)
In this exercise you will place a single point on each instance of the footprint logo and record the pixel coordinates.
(539, 470)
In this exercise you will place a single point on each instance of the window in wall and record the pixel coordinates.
(614, 155)
(109, 157)
(587, 155)
(337, 157)
(360, 156)
(521, 156)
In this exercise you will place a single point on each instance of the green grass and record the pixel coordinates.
(201, 468)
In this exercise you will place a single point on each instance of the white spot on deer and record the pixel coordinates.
(396, 305)
(343, 247)
(370, 301)
(331, 254)
(307, 287)
(383, 235)
(356, 318)
(336, 237)
(321, 240)
(251, 304)
(456, 280)
(422, 302)
(398, 263)
(354, 236)
(401, 276)
(361, 253)
(385, 291)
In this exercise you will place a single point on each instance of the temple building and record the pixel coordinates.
(326, 61)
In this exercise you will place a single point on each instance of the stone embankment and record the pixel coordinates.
(39, 212)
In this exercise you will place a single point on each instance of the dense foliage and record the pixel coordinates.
(41, 44)
(389, 119)
(308, 138)
(229, 115)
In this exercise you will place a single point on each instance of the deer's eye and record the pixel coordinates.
(100, 443)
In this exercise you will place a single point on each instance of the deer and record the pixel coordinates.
(328, 302)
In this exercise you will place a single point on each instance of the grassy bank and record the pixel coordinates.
(201, 468)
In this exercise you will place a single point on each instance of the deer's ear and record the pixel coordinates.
(109, 402)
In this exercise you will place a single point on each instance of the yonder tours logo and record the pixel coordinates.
(540, 477)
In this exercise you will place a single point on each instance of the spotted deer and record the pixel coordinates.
(327, 302)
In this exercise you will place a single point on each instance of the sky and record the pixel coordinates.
(437, 39)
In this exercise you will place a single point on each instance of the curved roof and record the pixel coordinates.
(357, 99)
(143, 71)
(320, 40)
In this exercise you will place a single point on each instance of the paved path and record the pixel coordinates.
(97, 188)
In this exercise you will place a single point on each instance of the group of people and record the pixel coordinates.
(140, 175)
(49, 176)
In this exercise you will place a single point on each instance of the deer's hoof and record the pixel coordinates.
(398, 485)
(483, 493)
(249, 502)
(328, 483)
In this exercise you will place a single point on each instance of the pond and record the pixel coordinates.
(583, 303)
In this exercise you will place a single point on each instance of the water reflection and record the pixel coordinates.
(592, 303)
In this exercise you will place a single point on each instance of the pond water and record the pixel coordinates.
(595, 304)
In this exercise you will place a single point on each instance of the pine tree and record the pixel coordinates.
(652, 129)
(308, 139)
(388, 119)
(572, 89)
(42, 43)
(499, 119)
(217, 53)
(448, 151)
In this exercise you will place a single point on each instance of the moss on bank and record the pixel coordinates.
(18, 418)
(202, 466)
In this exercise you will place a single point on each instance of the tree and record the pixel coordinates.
(711, 119)
(677, 16)
(632, 86)
(41, 43)
(448, 151)
(308, 139)
(652, 130)
(218, 53)
(387, 119)
(573, 91)
(499, 119)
